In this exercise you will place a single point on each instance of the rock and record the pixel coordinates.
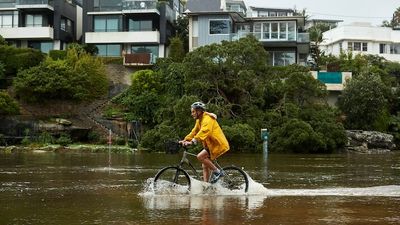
(63, 122)
(369, 141)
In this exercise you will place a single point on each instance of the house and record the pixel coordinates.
(314, 22)
(281, 31)
(139, 30)
(40, 24)
(363, 38)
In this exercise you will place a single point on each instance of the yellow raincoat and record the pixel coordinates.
(209, 133)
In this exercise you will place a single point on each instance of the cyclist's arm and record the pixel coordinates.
(193, 133)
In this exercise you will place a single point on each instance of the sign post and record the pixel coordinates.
(264, 137)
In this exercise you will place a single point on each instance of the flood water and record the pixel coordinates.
(82, 188)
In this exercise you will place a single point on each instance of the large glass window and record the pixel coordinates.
(35, 21)
(44, 47)
(107, 24)
(107, 5)
(257, 30)
(140, 25)
(220, 26)
(357, 46)
(281, 58)
(278, 31)
(152, 50)
(109, 50)
(66, 25)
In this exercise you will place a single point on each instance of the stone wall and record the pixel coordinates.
(369, 141)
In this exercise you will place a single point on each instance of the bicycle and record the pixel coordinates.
(234, 179)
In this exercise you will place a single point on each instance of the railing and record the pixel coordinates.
(126, 5)
(7, 4)
(139, 5)
(330, 77)
(35, 2)
(303, 37)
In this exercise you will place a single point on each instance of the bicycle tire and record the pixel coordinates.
(171, 176)
(235, 179)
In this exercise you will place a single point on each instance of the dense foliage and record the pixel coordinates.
(79, 77)
(8, 106)
(17, 59)
(233, 78)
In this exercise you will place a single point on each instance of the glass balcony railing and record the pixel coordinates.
(303, 37)
(7, 4)
(139, 5)
(119, 5)
(35, 2)
(330, 77)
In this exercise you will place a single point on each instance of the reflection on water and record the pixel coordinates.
(49, 188)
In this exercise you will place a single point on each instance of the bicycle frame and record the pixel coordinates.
(185, 160)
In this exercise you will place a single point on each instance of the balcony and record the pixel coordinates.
(123, 37)
(301, 37)
(127, 6)
(35, 4)
(7, 5)
(27, 33)
(334, 81)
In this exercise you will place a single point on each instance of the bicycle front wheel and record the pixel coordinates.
(235, 179)
(171, 179)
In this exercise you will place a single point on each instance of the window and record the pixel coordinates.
(34, 21)
(140, 25)
(282, 13)
(340, 47)
(9, 19)
(382, 49)
(262, 14)
(272, 13)
(257, 30)
(109, 50)
(395, 48)
(277, 31)
(107, 24)
(357, 46)
(152, 50)
(350, 46)
(220, 26)
(44, 47)
(365, 47)
(281, 58)
(66, 25)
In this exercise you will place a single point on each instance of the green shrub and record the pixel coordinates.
(57, 54)
(64, 140)
(156, 138)
(93, 137)
(16, 59)
(46, 138)
(241, 137)
(2, 70)
(8, 106)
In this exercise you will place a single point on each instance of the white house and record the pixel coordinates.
(363, 38)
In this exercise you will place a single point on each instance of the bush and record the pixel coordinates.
(2, 70)
(156, 138)
(93, 136)
(46, 138)
(296, 136)
(8, 106)
(57, 54)
(64, 140)
(241, 137)
(16, 59)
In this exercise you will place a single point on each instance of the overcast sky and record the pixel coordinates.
(373, 11)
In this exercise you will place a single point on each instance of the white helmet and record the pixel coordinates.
(199, 105)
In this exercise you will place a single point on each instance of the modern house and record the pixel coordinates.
(314, 22)
(363, 38)
(139, 30)
(40, 24)
(281, 31)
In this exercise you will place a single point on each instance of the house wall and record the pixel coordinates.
(360, 33)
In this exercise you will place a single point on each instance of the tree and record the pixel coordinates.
(3, 41)
(177, 53)
(316, 39)
(363, 101)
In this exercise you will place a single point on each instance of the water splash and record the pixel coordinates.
(200, 188)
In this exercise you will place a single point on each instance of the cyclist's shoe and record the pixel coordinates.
(216, 175)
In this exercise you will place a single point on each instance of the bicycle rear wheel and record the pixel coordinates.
(171, 179)
(235, 179)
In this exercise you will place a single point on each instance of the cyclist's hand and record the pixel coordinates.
(185, 143)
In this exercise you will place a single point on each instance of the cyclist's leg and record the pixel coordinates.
(204, 158)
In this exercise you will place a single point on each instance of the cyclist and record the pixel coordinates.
(209, 133)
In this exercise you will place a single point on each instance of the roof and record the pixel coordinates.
(270, 9)
(203, 5)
